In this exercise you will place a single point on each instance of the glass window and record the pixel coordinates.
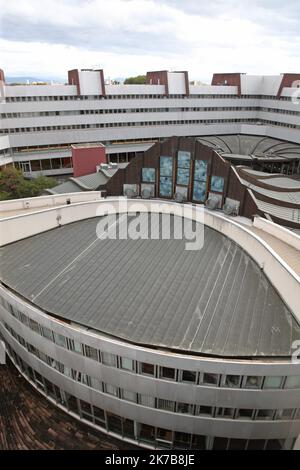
(189, 376)
(210, 379)
(199, 191)
(220, 443)
(182, 440)
(114, 423)
(198, 442)
(85, 407)
(232, 381)
(293, 381)
(128, 428)
(245, 413)
(129, 396)
(285, 414)
(47, 333)
(184, 408)
(148, 175)
(265, 414)
(253, 382)
(95, 383)
(60, 340)
(272, 382)
(92, 353)
(200, 171)
(164, 435)
(256, 444)
(99, 414)
(146, 432)
(206, 410)
(217, 184)
(146, 369)
(33, 325)
(167, 405)
(127, 364)
(111, 390)
(147, 400)
(237, 444)
(75, 346)
(167, 373)
(109, 359)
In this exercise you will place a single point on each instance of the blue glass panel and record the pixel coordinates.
(165, 186)
(148, 175)
(183, 176)
(184, 159)
(166, 166)
(200, 170)
(183, 191)
(217, 184)
(199, 192)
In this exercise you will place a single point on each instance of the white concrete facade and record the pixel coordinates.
(52, 117)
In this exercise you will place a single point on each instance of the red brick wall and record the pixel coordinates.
(85, 159)
(73, 79)
(232, 79)
(158, 78)
(287, 81)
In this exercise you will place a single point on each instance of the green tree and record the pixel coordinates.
(138, 80)
(13, 185)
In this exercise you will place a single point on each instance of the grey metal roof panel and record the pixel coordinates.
(67, 187)
(214, 301)
(94, 180)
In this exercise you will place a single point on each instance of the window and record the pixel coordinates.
(224, 413)
(127, 364)
(189, 376)
(72, 403)
(167, 373)
(184, 408)
(47, 333)
(167, 405)
(285, 414)
(128, 428)
(245, 413)
(146, 432)
(253, 381)
(232, 381)
(272, 382)
(146, 369)
(75, 346)
(99, 415)
(109, 359)
(237, 444)
(182, 440)
(293, 381)
(90, 352)
(198, 442)
(164, 436)
(129, 396)
(147, 400)
(95, 383)
(205, 410)
(265, 414)
(111, 390)
(220, 443)
(114, 423)
(210, 379)
(60, 340)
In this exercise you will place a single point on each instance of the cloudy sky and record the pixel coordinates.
(127, 37)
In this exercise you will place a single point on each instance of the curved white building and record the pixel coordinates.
(39, 123)
(158, 345)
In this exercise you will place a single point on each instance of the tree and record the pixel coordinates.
(13, 185)
(138, 80)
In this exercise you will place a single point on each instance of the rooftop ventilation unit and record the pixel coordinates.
(130, 193)
(113, 166)
(212, 203)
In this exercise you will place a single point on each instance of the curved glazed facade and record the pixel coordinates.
(153, 397)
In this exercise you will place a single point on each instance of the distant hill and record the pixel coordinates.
(25, 80)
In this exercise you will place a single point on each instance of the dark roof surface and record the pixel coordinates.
(214, 301)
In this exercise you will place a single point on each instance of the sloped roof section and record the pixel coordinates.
(215, 301)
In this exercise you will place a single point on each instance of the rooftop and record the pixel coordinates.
(215, 301)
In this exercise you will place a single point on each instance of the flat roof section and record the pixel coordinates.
(215, 301)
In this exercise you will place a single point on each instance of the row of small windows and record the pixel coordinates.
(167, 373)
(124, 110)
(154, 402)
(15, 99)
(145, 110)
(122, 124)
(139, 432)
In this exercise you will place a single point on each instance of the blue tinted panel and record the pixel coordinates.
(166, 166)
(199, 192)
(217, 184)
(200, 170)
(184, 159)
(148, 175)
(183, 176)
(165, 186)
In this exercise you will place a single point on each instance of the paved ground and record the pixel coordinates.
(30, 422)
